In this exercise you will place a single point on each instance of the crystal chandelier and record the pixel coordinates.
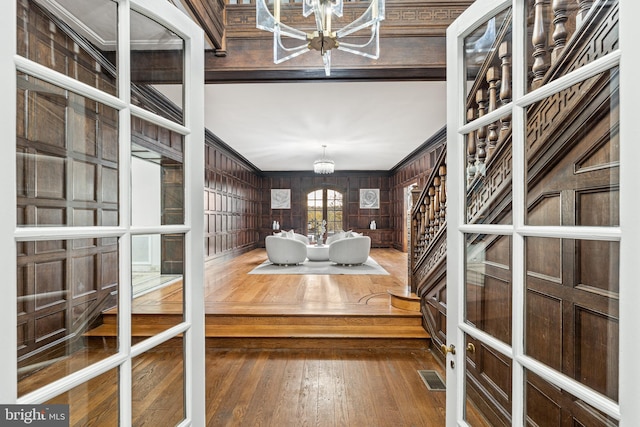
(324, 38)
(323, 165)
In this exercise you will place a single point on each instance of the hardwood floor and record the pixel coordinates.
(276, 381)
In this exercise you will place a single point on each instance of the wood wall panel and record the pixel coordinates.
(595, 354)
(347, 183)
(541, 408)
(232, 202)
(415, 169)
(549, 406)
(544, 257)
(542, 312)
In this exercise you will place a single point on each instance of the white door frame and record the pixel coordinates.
(627, 410)
(192, 129)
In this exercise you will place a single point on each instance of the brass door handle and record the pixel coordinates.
(471, 348)
(451, 349)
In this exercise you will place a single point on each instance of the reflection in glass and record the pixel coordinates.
(487, 63)
(58, 38)
(548, 405)
(573, 155)
(157, 175)
(488, 385)
(552, 26)
(488, 173)
(157, 271)
(67, 299)
(571, 309)
(94, 403)
(157, 58)
(67, 157)
(488, 284)
(157, 391)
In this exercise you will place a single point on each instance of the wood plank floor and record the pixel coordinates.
(265, 385)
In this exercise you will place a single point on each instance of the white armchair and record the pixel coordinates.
(350, 250)
(285, 251)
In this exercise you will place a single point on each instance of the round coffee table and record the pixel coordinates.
(318, 253)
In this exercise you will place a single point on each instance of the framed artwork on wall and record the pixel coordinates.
(369, 198)
(281, 198)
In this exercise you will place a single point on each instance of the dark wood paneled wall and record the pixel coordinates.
(415, 169)
(347, 183)
(232, 201)
(238, 214)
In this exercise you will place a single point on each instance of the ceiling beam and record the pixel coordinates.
(412, 47)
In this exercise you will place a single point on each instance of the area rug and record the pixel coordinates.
(320, 267)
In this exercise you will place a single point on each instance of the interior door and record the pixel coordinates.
(535, 263)
(79, 115)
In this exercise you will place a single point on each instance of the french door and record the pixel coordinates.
(101, 182)
(541, 227)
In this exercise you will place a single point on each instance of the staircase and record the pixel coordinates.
(279, 326)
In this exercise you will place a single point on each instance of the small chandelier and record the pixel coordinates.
(323, 39)
(323, 165)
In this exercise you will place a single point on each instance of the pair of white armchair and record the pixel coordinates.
(344, 248)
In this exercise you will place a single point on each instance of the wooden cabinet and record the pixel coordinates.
(380, 238)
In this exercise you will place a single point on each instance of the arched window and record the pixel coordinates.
(325, 205)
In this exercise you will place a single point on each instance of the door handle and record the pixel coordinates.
(471, 348)
(451, 349)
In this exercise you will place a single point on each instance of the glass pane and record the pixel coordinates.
(573, 155)
(488, 284)
(67, 157)
(334, 212)
(157, 175)
(94, 403)
(488, 173)
(314, 214)
(488, 386)
(548, 405)
(66, 291)
(58, 38)
(157, 269)
(157, 58)
(562, 38)
(571, 309)
(157, 391)
(487, 62)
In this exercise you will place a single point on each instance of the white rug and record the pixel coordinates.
(320, 267)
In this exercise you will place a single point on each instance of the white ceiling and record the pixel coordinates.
(282, 126)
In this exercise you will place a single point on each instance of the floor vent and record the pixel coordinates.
(432, 380)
